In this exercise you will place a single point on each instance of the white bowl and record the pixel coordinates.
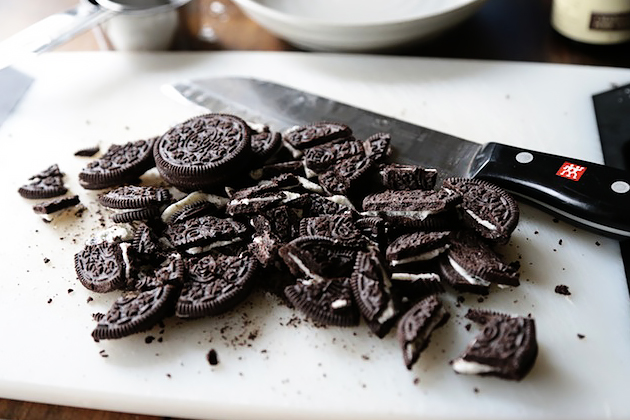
(357, 25)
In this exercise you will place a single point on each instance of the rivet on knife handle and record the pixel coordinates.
(593, 196)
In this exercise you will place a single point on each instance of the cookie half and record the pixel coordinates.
(506, 347)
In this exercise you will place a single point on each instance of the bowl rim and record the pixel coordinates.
(290, 19)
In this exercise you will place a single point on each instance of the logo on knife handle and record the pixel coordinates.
(571, 171)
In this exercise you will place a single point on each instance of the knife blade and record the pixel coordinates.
(586, 194)
(13, 86)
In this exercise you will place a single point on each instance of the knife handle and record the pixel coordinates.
(586, 194)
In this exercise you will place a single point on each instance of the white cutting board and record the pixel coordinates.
(273, 363)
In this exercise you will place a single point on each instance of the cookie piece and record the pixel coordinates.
(88, 151)
(134, 197)
(46, 184)
(416, 326)
(378, 146)
(396, 176)
(416, 205)
(56, 204)
(128, 216)
(372, 290)
(299, 138)
(145, 241)
(295, 167)
(470, 265)
(121, 164)
(506, 347)
(486, 208)
(346, 176)
(318, 258)
(203, 151)
(264, 144)
(135, 312)
(329, 302)
(339, 227)
(204, 233)
(193, 205)
(101, 267)
(320, 158)
(215, 284)
(417, 247)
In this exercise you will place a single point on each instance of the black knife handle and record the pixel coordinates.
(586, 194)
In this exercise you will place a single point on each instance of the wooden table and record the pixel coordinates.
(502, 30)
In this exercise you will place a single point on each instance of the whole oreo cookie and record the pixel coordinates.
(119, 165)
(487, 208)
(203, 151)
(135, 312)
(46, 184)
(416, 326)
(329, 302)
(215, 284)
(101, 267)
(506, 347)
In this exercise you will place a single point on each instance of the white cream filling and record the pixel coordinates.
(482, 222)
(339, 303)
(466, 275)
(121, 231)
(304, 269)
(429, 255)
(470, 368)
(415, 276)
(124, 247)
(201, 249)
(294, 152)
(310, 185)
(192, 198)
(412, 214)
(341, 200)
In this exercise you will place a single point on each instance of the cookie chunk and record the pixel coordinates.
(101, 267)
(121, 164)
(299, 138)
(135, 312)
(410, 205)
(318, 257)
(396, 176)
(486, 208)
(506, 347)
(329, 302)
(470, 265)
(417, 247)
(416, 326)
(46, 184)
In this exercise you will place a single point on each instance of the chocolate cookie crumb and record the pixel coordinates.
(212, 357)
(50, 300)
(581, 336)
(46, 260)
(87, 152)
(149, 339)
(562, 289)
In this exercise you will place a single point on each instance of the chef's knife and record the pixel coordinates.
(13, 85)
(584, 193)
(612, 110)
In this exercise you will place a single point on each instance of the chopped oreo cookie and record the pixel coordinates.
(506, 347)
(416, 326)
(318, 257)
(396, 176)
(101, 267)
(56, 204)
(372, 290)
(204, 151)
(120, 164)
(46, 184)
(487, 208)
(329, 302)
(202, 234)
(410, 205)
(264, 144)
(417, 247)
(135, 197)
(215, 284)
(340, 227)
(299, 138)
(135, 312)
(470, 265)
(321, 158)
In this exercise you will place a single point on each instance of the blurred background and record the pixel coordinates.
(502, 30)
